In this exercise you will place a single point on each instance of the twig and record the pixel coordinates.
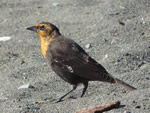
(101, 108)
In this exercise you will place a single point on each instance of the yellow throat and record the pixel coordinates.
(44, 44)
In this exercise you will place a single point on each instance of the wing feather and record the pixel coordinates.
(69, 53)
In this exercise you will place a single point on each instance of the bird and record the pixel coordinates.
(70, 61)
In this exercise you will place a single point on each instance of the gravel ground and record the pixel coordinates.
(118, 32)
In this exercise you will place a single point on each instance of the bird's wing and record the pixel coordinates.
(71, 57)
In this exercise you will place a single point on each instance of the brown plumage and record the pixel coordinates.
(69, 61)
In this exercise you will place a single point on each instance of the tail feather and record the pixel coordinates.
(120, 82)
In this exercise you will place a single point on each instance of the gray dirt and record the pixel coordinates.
(119, 34)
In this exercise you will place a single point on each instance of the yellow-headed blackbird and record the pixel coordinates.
(70, 61)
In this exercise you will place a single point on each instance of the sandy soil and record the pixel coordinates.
(118, 31)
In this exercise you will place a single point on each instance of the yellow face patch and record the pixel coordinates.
(41, 33)
(45, 38)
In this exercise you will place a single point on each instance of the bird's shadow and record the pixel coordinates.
(55, 101)
(72, 97)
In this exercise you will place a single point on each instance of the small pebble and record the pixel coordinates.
(22, 62)
(24, 77)
(55, 4)
(126, 112)
(143, 20)
(39, 7)
(134, 101)
(122, 23)
(35, 108)
(26, 86)
(113, 41)
(123, 91)
(138, 107)
(105, 57)
(75, 4)
(39, 102)
(88, 46)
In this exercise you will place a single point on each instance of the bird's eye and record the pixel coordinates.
(42, 27)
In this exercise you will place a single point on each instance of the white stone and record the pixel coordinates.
(5, 38)
(26, 86)
(55, 4)
(126, 112)
(88, 46)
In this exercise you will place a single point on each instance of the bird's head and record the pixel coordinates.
(45, 29)
(48, 32)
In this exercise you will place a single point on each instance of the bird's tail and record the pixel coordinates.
(120, 82)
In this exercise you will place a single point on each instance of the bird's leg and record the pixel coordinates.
(84, 89)
(60, 99)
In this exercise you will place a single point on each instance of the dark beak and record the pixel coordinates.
(33, 28)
